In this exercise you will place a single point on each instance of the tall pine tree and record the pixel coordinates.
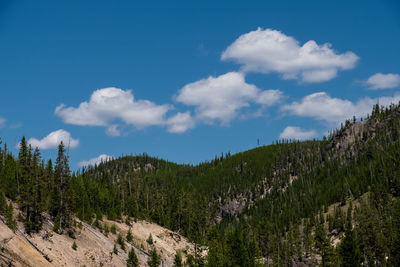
(323, 245)
(33, 220)
(349, 251)
(60, 204)
(132, 260)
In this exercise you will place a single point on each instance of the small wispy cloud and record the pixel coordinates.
(15, 125)
(2, 122)
(297, 133)
(383, 81)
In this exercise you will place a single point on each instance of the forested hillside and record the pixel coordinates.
(330, 202)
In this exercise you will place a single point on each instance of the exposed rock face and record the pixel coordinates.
(233, 206)
(360, 131)
(349, 135)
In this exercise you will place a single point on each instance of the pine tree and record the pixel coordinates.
(338, 220)
(154, 259)
(61, 195)
(215, 255)
(25, 184)
(10, 221)
(121, 242)
(323, 246)
(150, 240)
(3, 203)
(395, 248)
(239, 250)
(349, 251)
(48, 184)
(129, 236)
(113, 229)
(178, 260)
(23, 170)
(236, 249)
(34, 219)
(132, 260)
(190, 262)
(307, 238)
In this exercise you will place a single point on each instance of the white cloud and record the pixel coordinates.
(220, 98)
(272, 51)
(15, 125)
(215, 98)
(269, 97)
(383, 81)
(297, 133)
(321, 106)
(53, 139)
(10, 125)
(180, 123)
(113, 130)
(2, 122)
(111, 104)
(96, 161)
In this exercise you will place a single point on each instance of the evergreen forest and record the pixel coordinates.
(328, 202)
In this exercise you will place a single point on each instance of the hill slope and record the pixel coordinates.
(290, 203)
(94, 247)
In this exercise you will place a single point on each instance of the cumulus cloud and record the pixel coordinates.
(180, 123)
(269, 50)
(95, 161)
(108, 105)
(220, 98)
(321, 106)
(297, 133)
(53, 139)
(383, 81)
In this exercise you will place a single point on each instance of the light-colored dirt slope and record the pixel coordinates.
(93, 247)
(165, 241)
(14, 247)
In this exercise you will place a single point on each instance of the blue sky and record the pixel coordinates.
(185, 80)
